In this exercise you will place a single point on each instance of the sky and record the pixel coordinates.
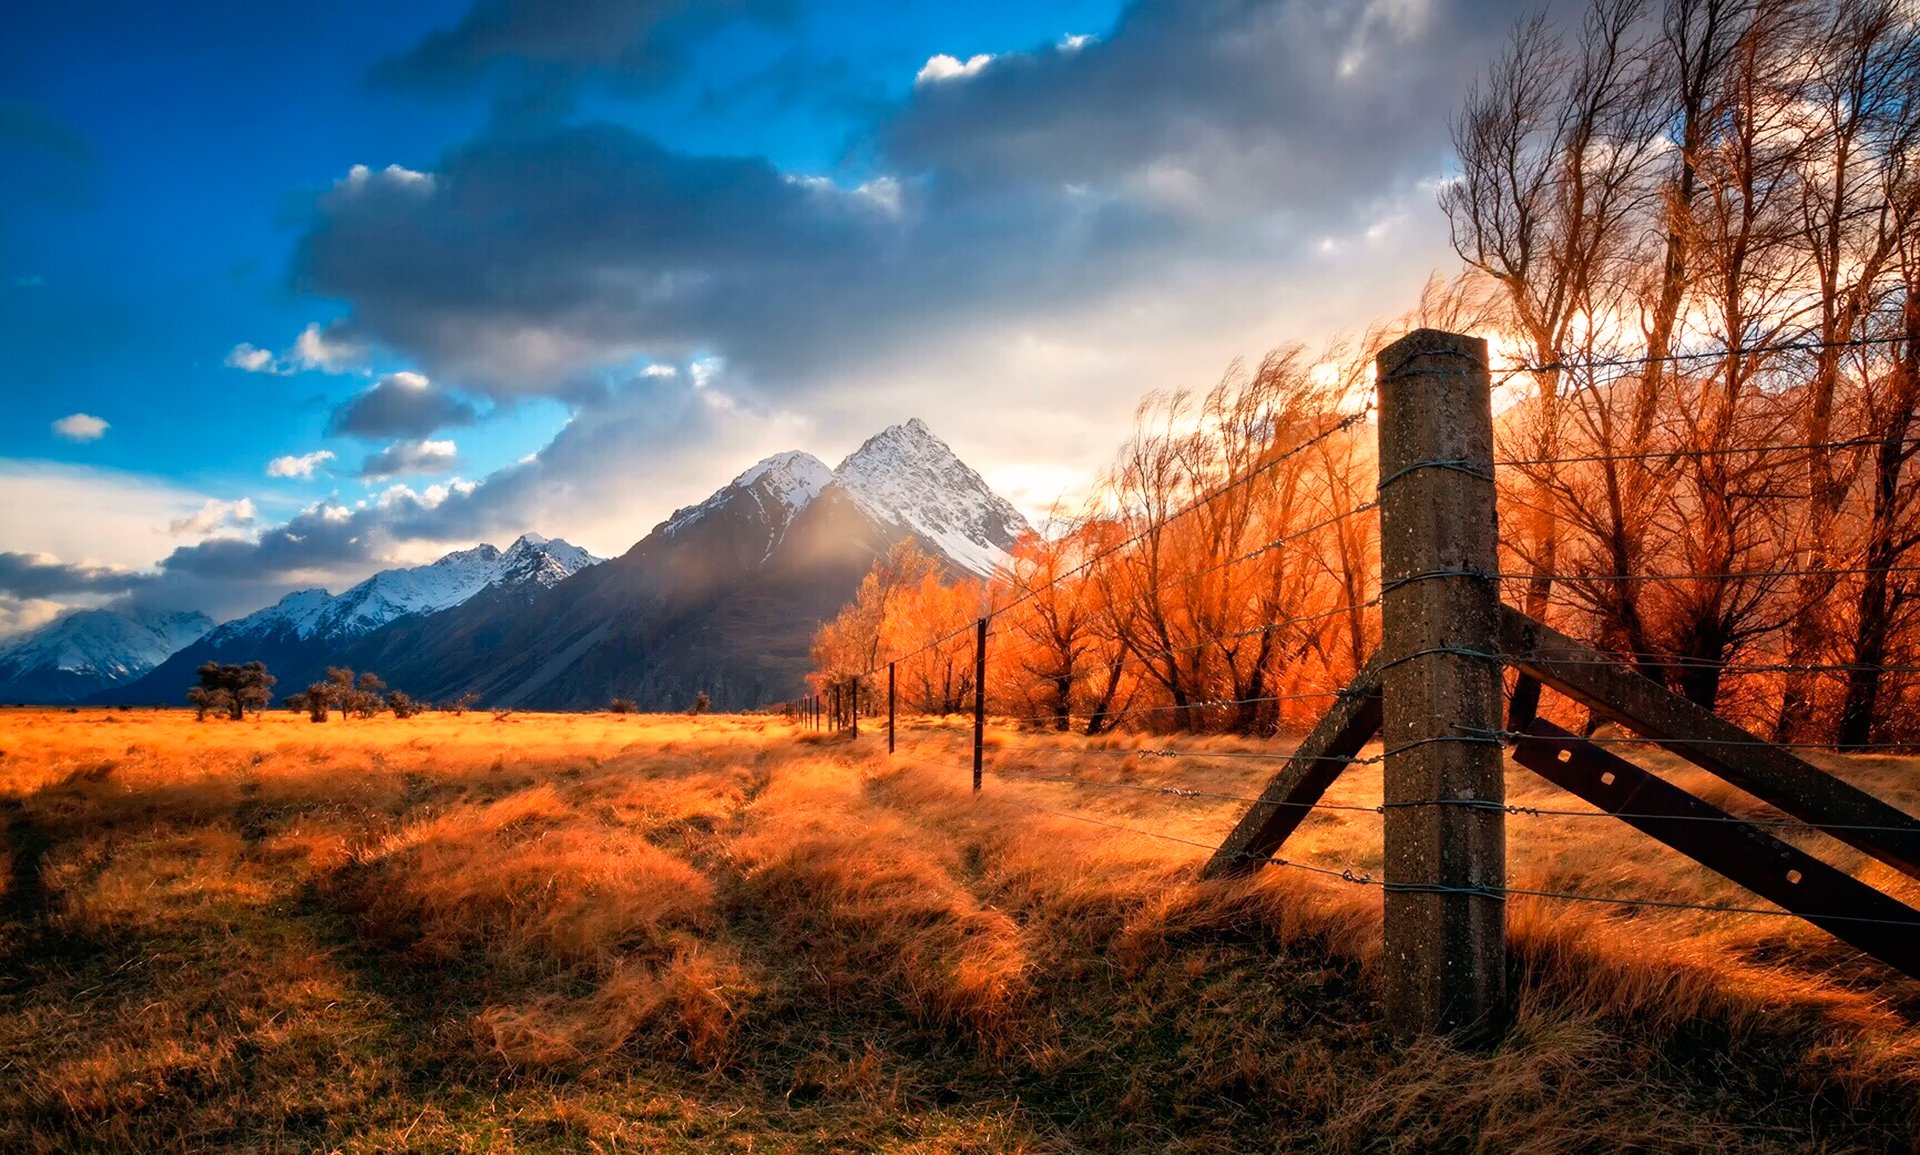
(291, 293)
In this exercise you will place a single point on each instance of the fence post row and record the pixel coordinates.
(1443, 785)
(979, 701)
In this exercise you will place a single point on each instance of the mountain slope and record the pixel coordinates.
(722, 597)
(89, 651)
(299, 636)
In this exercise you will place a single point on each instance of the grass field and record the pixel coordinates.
(632, 933)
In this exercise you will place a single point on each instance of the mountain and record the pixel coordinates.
(722, 597)
(299, 635)
(88, 651)
(907, 480)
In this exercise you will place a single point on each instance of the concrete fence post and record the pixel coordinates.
(1445, 958)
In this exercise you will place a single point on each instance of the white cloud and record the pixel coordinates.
(212, 516)
(943, 67)
(1075, 41)
(300, 467)
(326, 350)
(658, 370)
(253, 359)
(80, 427)
(393, 176)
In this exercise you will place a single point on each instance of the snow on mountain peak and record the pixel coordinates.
(790, 480)
(395, 593)
(905, 476)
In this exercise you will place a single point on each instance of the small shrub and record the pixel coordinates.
(622, 706)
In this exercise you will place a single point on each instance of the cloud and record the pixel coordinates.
(318, 348)
(944, 67)
(252, 359)
(534, 44)
(42, 575)
(1181, 168)
(80, 427)
(212, 516)
(301, 467)
(18, 615)
(410, 457)
(326, 348)
(400, 405)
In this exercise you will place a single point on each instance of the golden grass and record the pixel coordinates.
(623, 932)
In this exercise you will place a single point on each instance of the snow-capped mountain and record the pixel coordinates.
(89, 650)
(906, 478)
(771, 493)
(315, 615)
(723, 597)
(305, 631)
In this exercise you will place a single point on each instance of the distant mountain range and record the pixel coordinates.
(89, 651)
(722, 597)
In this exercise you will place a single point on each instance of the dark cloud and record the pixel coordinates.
(1236, 106)
(400, 405)
(31, 575)
(1197, 134)
(638, 43)
(411, 459)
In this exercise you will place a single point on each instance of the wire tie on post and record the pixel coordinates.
(1457, 464)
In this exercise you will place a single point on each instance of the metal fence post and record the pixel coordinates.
(1445, 957)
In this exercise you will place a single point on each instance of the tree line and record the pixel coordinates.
(1691, 234)
(234, 689)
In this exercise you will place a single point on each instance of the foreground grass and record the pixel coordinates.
(605, 933)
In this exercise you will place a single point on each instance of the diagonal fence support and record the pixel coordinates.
(1830, 899)
(1445, 956)
(1760, 768)
(1320, 758)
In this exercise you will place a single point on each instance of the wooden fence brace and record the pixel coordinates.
(1445, 865)
(1779, 872)
(979, 701)
(890, 707)
(1327, 749)
(1768, 772)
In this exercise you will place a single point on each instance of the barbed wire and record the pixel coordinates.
(1705, 451)
(1494, 893)
(1804, 346)
(1204, 704)
(1599, 740)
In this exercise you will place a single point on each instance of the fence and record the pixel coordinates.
(1433, 695)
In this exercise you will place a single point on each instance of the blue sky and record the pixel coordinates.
(618, 249)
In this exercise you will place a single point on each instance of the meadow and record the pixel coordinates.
(602, 932)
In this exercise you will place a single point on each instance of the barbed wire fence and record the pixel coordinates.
(1435, 694)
